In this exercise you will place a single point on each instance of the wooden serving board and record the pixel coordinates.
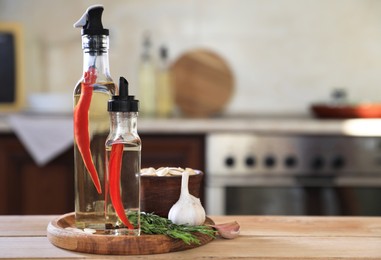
(114, 245)
(203, 83)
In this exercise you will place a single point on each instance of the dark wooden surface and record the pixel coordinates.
(28, 189)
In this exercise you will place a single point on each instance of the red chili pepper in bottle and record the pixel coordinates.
(81, 125)
(115, 165)
(123, 148)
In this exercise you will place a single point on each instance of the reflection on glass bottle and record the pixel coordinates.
(164, 86)
(147, 81)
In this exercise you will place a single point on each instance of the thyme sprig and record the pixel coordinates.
(154, 224)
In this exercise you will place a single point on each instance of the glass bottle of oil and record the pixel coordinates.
(123, 153)
(89, 201)
(147, 80)
(164, 93)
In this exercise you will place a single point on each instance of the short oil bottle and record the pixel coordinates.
(123, 158)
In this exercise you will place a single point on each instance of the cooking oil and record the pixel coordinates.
(89, 205)
(123, 158)
(130, 191)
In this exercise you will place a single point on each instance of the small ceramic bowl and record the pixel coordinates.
(160, 193)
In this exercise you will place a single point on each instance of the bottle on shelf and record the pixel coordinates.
(164, 93)
(147, 80)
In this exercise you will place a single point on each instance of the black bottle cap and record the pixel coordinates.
(91, 21)
(163, 52)
(123, 102)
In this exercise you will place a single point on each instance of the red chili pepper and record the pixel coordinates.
(115, 165)
(81, 125)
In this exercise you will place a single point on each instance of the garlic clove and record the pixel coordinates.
(163, 171)
(89, 231)
(148, 171)
(191, 171)
(175, 171)
(75, 230)
(228, 230)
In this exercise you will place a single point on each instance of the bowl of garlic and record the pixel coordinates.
(161, 188)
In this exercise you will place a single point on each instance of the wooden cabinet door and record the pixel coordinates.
(26, 188)
(173, 150)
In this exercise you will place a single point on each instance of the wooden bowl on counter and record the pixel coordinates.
(364, 110)
(159, 193)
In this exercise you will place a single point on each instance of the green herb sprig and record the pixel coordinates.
(154, 224)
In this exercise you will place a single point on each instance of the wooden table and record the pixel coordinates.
(262, 237)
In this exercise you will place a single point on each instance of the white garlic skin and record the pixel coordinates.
(188, 209)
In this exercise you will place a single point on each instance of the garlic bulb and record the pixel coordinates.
(188, 209)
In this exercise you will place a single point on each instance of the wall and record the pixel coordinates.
(285, 54)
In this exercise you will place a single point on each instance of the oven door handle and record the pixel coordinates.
(337, 181)
(316, 181)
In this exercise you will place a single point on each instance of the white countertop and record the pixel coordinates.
(239, 125)
(256, 124)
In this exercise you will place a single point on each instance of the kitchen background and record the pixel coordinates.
(284, 54)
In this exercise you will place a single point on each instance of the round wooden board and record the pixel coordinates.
(203, 83)
(114, 245)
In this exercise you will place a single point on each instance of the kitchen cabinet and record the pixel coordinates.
(173, 150)
(28, 189)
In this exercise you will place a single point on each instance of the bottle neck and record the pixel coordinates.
(95, 54)
(123, 123)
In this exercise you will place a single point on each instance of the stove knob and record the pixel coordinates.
(290, 161)
(337, 163)
(317, 163)
(269, 161)
(229, 161)
(250, 161)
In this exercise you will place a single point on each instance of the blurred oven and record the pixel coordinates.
(264, 174)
